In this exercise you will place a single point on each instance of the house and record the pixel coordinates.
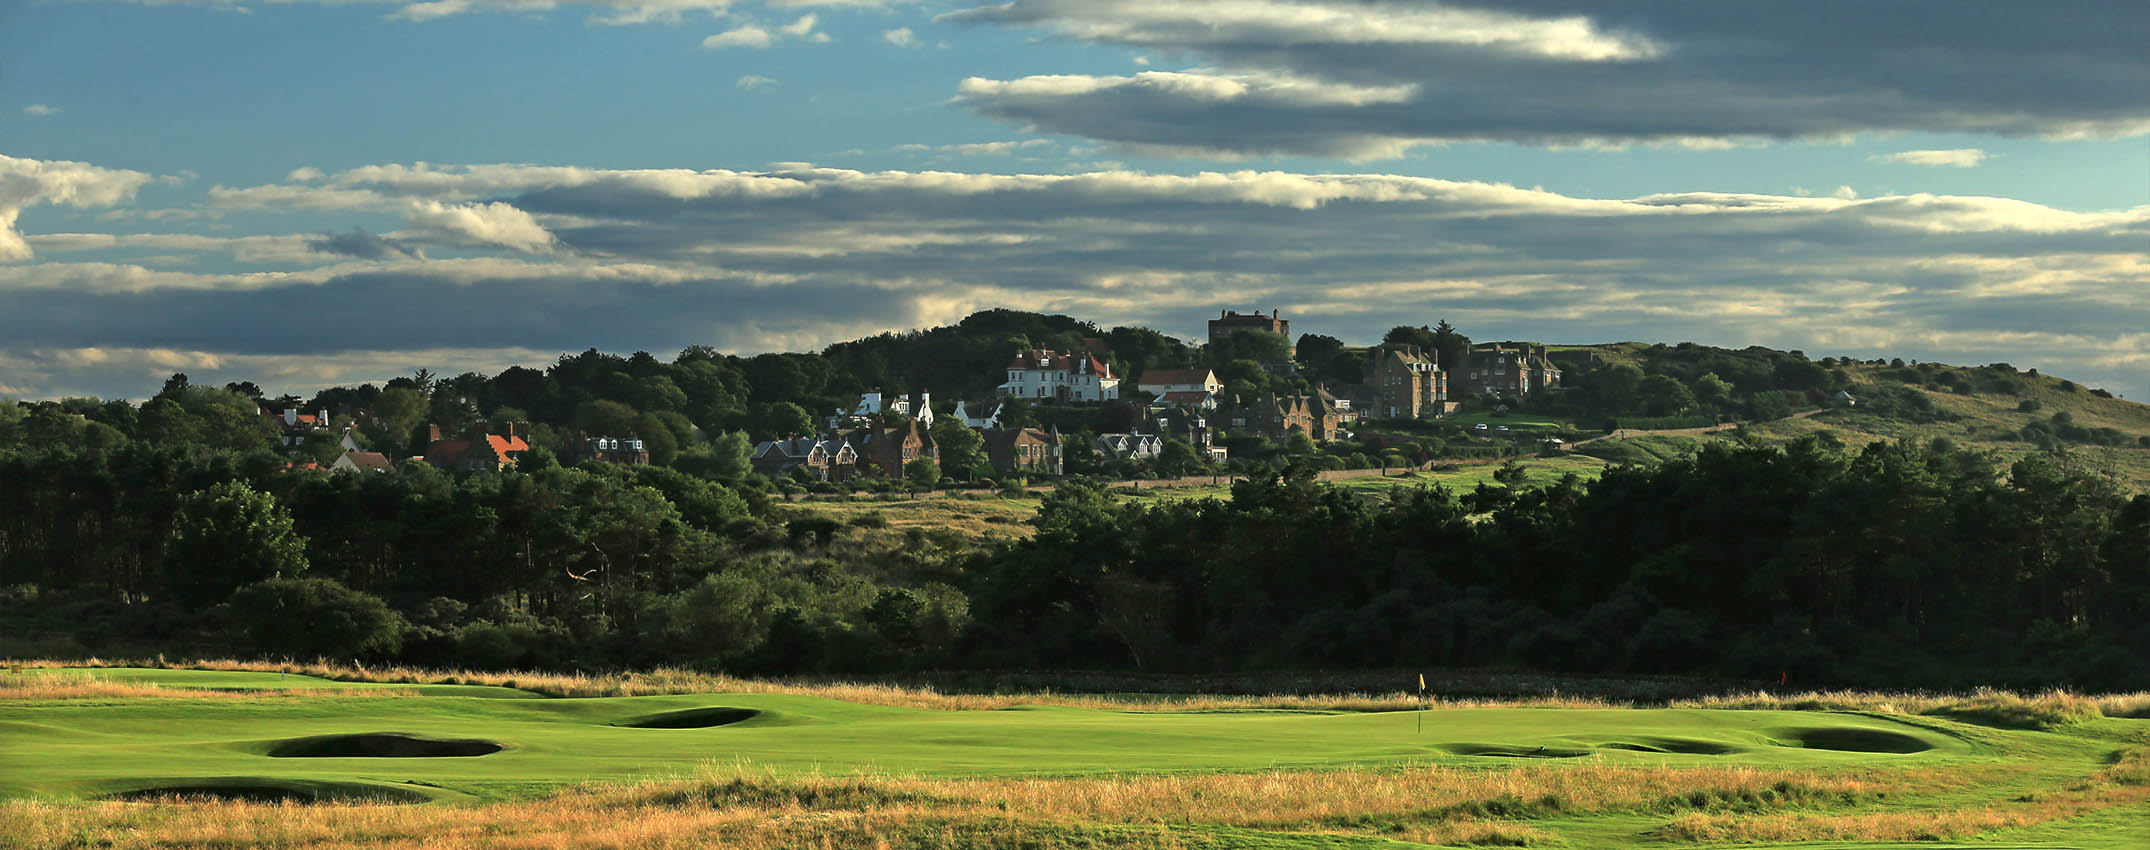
(873, 403)
(489, 453)
(1405, 382)
(1182, 398)
(627, 451)
(892, 449)
(830, 459)
(1276, 417)
(1160, 382)
(1128, 446)
(1045, 373)
(1016, 451)
(295, 424)
(1190, 425)
(978, 423)
(1512, 370)
(1228, 323)
(357, 461)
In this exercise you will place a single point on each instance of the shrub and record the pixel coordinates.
(316, 617)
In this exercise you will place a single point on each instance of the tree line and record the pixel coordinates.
(1899, 564)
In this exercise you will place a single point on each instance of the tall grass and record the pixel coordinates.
(743, 808)
(36, 687)
(2046, 710)
(2126, 782)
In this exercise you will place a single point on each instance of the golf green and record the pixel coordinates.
(461, 742)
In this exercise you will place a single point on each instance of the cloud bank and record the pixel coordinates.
(537, 258)
(1273, 76)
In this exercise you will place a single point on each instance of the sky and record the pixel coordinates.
(305, 193)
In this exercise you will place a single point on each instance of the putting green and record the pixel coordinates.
(442, 746)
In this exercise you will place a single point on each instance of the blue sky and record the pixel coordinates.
(307, 193)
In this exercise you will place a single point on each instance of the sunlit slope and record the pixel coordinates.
(88, 748)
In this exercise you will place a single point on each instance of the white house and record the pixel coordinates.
(1043, 374)
(991, 419)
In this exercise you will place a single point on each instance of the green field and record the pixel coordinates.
(489, 750)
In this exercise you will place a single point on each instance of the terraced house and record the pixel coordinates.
(1406, 382)
(1512, 370)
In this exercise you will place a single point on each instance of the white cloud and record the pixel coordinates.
(799, 255)
(1952, 158)
(1845, 193)
(804, 28)
(484, 225)
(751, 82)
(746, 36)
(759, 37)
(1197, 23)
(29, 182)
(900, 37)
(41, 109)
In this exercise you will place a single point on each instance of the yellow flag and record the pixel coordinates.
(1422, 681)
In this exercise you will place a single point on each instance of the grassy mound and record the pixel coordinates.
(376, 745)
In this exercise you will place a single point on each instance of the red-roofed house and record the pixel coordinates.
(488, 454)
(295, 423)
(1044, 373)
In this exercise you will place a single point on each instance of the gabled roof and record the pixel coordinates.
(369, 461)
(1055, 361)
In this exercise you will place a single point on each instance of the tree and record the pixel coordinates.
(782, 419)
(307, 618)
(397, 413)
(173, 385)
(1178, 458)
(1663, 395)
(924, 472)
(228, 536)
(962, 450)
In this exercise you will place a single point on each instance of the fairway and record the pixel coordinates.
(235, 736)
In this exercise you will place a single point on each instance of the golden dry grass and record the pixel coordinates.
(2048, 709)
(2044, 710)
(2125, 782)
(743, 809)
(92, 687)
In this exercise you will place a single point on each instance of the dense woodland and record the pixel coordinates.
(176, 525)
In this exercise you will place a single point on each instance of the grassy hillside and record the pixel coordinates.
(774, 769)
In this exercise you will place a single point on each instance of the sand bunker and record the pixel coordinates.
(271, 791)
(692, 718)
(1684, 746)
(1508, 751)
(381, 745)
(1854, 740)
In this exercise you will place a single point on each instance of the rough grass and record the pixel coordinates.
(2045, 710)
(746, 809)
(28, 687)
(2125, 782)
